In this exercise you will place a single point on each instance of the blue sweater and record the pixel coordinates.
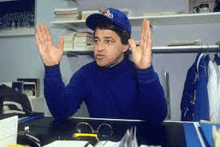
(121, 92)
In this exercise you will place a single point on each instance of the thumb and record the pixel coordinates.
(60, 43)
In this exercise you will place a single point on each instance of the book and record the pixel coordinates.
(84, 34)
(184, 43)
(86, 13)
(91, 11)
(67, 14)
(69, 36)
(83, 39)
(68, 48)
(68, 40)
(83, 48)
(71, 18)
(69, 45)
(66, 9)
(82, 44)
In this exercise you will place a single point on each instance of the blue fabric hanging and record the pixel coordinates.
(195, 104)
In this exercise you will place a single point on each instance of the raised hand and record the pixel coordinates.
(50, 54)
(142, 54)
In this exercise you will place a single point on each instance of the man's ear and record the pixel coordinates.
(126, 47)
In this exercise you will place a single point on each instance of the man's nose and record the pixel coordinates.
(100, 46)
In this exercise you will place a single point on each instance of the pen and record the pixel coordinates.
(28, 119)
(84, 135)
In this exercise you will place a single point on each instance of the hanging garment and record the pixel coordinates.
(217, 64)
(217, 61)
(195, 104)
(212, 87)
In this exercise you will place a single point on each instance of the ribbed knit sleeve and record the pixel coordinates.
(62, 101)
(153, 104)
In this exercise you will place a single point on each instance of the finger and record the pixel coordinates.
(41, 49)
(149, 43)
(147, 38)
(37, 36)
(147, 31)
(40, 33)
(132, 45)
(148, 34)
(37, 39)
(44, 32)
(60, 43)
(145, 27)
(142, 33)
(48, 35)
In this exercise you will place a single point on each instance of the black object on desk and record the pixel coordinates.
(167, 134)
(10, 95)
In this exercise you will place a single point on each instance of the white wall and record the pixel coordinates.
(19, 56)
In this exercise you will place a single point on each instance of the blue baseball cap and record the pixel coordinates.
(115, 16)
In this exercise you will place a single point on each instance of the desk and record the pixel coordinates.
(166, 134)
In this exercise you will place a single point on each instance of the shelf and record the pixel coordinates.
(186, 49)
(200, 18)
(161, 49)
(18, 32)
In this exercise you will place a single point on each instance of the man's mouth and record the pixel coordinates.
(100, 56)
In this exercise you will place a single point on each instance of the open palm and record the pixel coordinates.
(50, 54)
(142, 54)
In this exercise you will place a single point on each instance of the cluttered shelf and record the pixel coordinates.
(77, 21)
(199, 18)
(158, 49)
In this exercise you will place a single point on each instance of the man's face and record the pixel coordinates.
(108, 49)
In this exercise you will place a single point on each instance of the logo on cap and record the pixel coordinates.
(108, 13)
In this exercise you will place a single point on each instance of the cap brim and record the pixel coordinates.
(93, 20)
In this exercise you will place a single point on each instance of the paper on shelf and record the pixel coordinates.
(182, 43)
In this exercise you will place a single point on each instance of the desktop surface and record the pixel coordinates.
(47, 130)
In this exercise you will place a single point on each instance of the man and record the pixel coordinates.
(112, 86)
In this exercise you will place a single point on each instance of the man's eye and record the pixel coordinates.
(108, 41)
(95, 41)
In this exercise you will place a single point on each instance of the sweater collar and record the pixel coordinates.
(124, 63)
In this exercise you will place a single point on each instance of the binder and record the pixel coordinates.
(193, 136)
(206, 129)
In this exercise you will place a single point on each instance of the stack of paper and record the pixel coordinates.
(184, 43)
(83, 41)
(67, 14)
(129, 139)
(68, 41)
(86, 13)
(8, 130)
